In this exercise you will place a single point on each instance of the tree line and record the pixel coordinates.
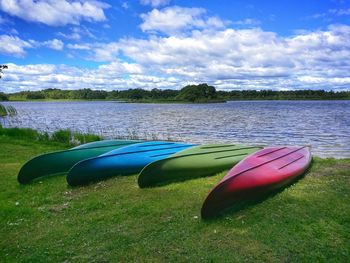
(190, 93)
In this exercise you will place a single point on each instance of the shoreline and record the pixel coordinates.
(167, 101)
(72, 138)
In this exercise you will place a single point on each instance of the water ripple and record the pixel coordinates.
(325, 125)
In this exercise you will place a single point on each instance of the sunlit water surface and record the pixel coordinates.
(325, 125)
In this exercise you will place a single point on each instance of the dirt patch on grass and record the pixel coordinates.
(58, 208)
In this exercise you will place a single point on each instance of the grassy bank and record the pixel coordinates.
(115, 221)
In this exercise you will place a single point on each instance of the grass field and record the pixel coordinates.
(115, 221)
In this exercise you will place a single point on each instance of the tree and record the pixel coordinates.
(201, 92)
(36, 95)
(3, 96)
(2, 67)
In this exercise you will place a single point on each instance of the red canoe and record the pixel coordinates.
(259, 173)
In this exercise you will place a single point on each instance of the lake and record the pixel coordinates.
(325, 125)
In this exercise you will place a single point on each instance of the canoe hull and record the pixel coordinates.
(260, 173)
(61, 161)
(199, 161)
(120, 162)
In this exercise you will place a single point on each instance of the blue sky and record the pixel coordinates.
(122, 44)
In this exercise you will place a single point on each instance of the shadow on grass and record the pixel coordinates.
(43, 179)
(180, 179)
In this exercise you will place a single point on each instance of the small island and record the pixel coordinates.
(202, 93)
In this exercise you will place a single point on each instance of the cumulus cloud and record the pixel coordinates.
(247, 22)
(331, 14)
(76, 33)
(228, 58)
(55, 12)
(105, 52)
(340, 12)
(108, 77)
(13, 45)
(79, 46)
(119, 68)
(245, 58)
(154, 3)
(175, 19)
(72, 35)
(53, 44)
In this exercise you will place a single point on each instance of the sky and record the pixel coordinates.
(167, 44)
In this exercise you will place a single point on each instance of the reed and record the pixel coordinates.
(66, 137)
(73, 138)
(5, 112)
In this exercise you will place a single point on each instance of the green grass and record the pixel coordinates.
(115, 221)
(67, 137)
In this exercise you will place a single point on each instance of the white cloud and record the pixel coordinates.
(125, 5)
(76, 33)
(119, 68)
(79, 46)
(340, 12)
(225, 57)
(242, 58)
(12, 45)
(247, 22)
(175, 19)
(55, 12)
(72, 36)
(105, 52)
(154, 3)
(108, 77)
(53, 44)
(331, 14)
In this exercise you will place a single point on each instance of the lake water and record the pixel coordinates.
(325, 125)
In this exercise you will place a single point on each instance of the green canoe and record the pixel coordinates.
(62, 161)
(195, 162)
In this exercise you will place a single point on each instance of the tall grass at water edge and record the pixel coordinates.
(6, 111)
(72, 138)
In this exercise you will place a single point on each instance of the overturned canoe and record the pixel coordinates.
(62, 161)
(195, 162)
(260, 173)
(124, 161)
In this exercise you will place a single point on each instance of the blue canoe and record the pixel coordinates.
(123, 161)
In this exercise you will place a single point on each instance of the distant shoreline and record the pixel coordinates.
(171, 101)
(202, 93)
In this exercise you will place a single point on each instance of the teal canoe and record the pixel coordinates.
(123, 161)
(62, 161)
(199, 161)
